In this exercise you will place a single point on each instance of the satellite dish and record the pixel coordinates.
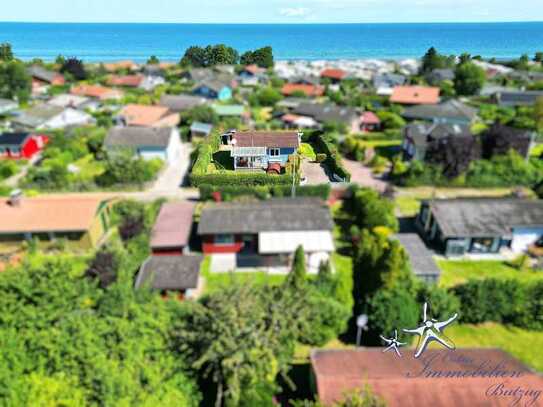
(362, 321)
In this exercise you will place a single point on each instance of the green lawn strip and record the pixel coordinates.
(455, 272)
(89, 168)
(523, 344)
(307, 151)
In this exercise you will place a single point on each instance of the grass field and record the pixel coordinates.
(459, 271)
(521, 343)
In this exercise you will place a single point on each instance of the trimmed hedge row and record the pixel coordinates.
(263, 192)
(505, 301)
(239, 179)
(333, 157)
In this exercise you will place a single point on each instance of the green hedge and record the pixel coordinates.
(263, 192)
(504, 301)
(333, 157)
(240, 179)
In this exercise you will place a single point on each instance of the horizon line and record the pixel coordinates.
(275, 23)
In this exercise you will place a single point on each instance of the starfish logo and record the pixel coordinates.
(393, 343)
(431, 330)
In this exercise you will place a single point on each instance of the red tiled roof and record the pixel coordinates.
(370, 118)
(132, 81)
(267, 139)
(96, 91)
(309, 90)
(415, 95)
(173, 225)
(331, 73)
(402, 382)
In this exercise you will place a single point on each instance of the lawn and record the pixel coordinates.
(521, 343)
(88, 168)
(455, 272)
(407, 206)
(307, 151)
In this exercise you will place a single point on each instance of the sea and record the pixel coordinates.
(95, 42)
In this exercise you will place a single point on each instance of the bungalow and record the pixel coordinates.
(369, 121)
(252, 75)
(198, 129)
(481, 226)
(147, 116)
(419, 137)
(172, 229)
(43, 78)
(384, 84)
(263, 150)
(325, 113)
(7, 105)
(97, 92)
(181, 103)
(309, 90)
(465, 377)
(232, 111)
(437, 76)
(145, 82)
(49, 117)
(65, 100)
(146, 142)
(21, 145)
(121, 66)
(334, 75)
(171, 274)
(415, 95)
(265, 234)
(213, 89)
(81, 221)
(517, 98)
(451, 111)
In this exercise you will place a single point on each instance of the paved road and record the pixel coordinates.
(171, 178)
(362, 175)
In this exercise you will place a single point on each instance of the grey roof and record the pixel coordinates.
(201, 127)
(485, 217)
(327, 112)
(214, 84)
(200, 74)
(439, 75)
(180, 103)
(170, 272)
(7, 104)
(422, 261)
(520, 98)
(291, 102)
(422, 133)
(388, 80)
(274, 215)
(138, 136)
(41, 73)
(37, 115)
(451, 109)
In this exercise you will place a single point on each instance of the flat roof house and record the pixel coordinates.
(465, 377)
(148, 116)
(172, 229)
(263, 150)
(481, 226)
(518, 98)
(451, 112)
(21, 145)
(146, 142)
(199, 129)
(49, 117)
(181, 103)
(415, 95)
(171, 274)
(265, 234)
(82, 222)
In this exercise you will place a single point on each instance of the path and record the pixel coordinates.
(173, 175)
(314, 173)
(363, 176)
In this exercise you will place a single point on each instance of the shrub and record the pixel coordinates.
(442, 304)
(333, 157)
(239, 179)
(321, 157)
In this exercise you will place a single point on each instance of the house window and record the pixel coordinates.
(483, 245)
(224, 239)
(275, 152)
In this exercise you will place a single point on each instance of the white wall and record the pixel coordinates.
(523, 237)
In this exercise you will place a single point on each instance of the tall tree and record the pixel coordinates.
(6, 53)
(297, 274)
(75, 68)
(263, 57)
(468, 79)
(15, 83)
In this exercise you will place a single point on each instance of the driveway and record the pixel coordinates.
(363, 176)
(314, 173)
(171, 178)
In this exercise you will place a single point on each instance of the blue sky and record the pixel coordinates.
(271, 11)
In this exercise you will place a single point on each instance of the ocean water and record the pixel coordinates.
(109, 42)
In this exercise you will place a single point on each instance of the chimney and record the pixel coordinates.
(15, 197)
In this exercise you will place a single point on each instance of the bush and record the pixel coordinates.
(442, 304)
(503, 301)
(239, 179)
(321, 157)
(230, 192)
(333, 157)
(7, 169)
